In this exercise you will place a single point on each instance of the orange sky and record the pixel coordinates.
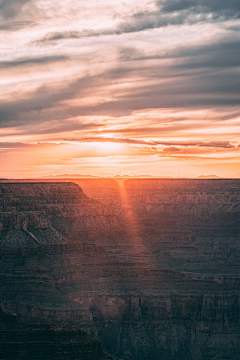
(126, 88)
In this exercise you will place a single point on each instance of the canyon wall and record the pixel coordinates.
(51, 342)
(149, 267)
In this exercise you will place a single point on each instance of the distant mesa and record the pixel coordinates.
(142, 176)
(67, 176)
(209, 177)
(78, 176)
(132, 176)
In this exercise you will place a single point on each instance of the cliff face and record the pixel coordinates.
(150, 268)
(52, 341)
(190, 225)
(43, 206)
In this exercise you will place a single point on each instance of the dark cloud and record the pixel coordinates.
(55, 36)
(234, 28)
(172, 149)
(15, 25)
(115, 140)
(171, 12)
(200, 75)
(55, 127)
(212, 144)
(200, 6)
(22, 146)
(23, 62)
(187, 94)
(11, 8)
(192, 82)
(132, 54)
(223, 53)
(220, 144)
(138, 22)
(12, 145)
(47, 102)
(189, 153)
(170, 144)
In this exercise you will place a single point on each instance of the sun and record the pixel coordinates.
(108, 147)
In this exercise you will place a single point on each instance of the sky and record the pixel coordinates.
(108, 88)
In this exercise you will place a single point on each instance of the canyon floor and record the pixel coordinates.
(141, 269)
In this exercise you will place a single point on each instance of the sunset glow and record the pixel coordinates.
(127, 88)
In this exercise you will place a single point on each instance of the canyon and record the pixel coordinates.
(148, 267)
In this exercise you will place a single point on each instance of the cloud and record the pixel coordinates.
(55, 127)
(49, 102)
(223, 53)
(169, 12)
(215, 144)
(11, 8)
(26, 146)
(30, 61)
(15, 25)
(115, 140)
(200, 6)
(211, 144)
(13, 145)
(189, 77)
(36, 105)
(171, 145)
(131, 53)
(137, 23)
(171, 88)
(63, 35)
(144, 73)
(172, 149)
